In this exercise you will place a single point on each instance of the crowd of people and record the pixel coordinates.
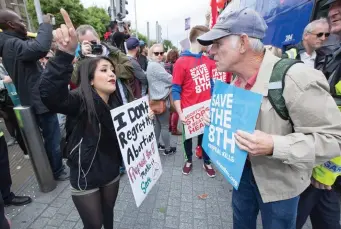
(72, 79)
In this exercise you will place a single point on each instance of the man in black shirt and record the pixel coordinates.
(119, 35)
(20, 57)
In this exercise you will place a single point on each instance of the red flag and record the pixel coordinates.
(221, 4)
(214, 12)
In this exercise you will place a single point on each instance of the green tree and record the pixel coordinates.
(98, 18)
(152, 42)
(175, 48)
(167, 44)
(140, 36)
(73, 7)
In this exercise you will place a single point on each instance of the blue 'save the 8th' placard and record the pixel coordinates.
(232, 109)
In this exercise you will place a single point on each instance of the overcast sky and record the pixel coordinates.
(169, 13)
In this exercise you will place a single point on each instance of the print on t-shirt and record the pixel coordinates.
(222, 76)
(201, 77)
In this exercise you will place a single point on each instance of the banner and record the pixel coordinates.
(187, 23)
(194, 119)
(136, 137)
(232, 109)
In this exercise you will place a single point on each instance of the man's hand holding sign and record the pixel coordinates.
(232, 110)
(256, 144)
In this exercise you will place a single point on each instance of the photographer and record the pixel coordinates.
(120, 33)
(91, 46)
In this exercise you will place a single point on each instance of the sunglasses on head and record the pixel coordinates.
(158, 53)
(321, 34)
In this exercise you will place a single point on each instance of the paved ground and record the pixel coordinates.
(172, 203)
(21, 169)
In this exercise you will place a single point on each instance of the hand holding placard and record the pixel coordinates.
(207, 118)
(135, 133)
(231, 109)
(256, 144)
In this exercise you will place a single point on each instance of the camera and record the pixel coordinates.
(97, 49)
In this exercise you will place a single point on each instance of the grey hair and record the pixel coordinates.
(255, 43)
(312, 25)
(81, 30)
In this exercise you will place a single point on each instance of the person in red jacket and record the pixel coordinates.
(192, 85)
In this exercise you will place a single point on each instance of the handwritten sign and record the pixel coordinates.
(136, 137)
(232, 109)
(194, 119)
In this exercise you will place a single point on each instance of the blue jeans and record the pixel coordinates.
(247, 202)
(49, 124)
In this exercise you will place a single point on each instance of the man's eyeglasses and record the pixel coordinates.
(319, 35)
(158, 53)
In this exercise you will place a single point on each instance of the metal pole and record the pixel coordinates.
(35, 146)
(148, 35)
(38, 11)
(136, 19)
(157, 31)
(28, 17)
(112, 6)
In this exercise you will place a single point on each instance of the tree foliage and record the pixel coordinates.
(73, 7)
(152, 42)
(167, 44)
(97, 17)
(142, 37)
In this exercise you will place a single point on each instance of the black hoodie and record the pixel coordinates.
(20, 57)
(92, 148)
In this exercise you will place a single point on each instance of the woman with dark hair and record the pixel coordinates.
(91, 143)
(172, 56)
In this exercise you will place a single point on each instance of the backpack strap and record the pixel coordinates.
(276, 87)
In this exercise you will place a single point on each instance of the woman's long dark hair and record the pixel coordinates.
(86, 73)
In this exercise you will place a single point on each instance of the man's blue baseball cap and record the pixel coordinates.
(132, 43)
(235, 22)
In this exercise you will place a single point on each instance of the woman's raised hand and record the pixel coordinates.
(65, 36)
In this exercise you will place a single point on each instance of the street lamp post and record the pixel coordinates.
(26, 12)
(136, 18)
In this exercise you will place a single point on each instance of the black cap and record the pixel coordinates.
(326, 5)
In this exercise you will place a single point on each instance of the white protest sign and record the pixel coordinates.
(136, 137)
(194, 118)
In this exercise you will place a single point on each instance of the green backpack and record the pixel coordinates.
(276, 87)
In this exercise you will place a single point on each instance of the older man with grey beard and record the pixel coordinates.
(280, 160)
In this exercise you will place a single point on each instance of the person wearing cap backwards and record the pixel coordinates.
(133, 46)
(280, 160)
(192, 85)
